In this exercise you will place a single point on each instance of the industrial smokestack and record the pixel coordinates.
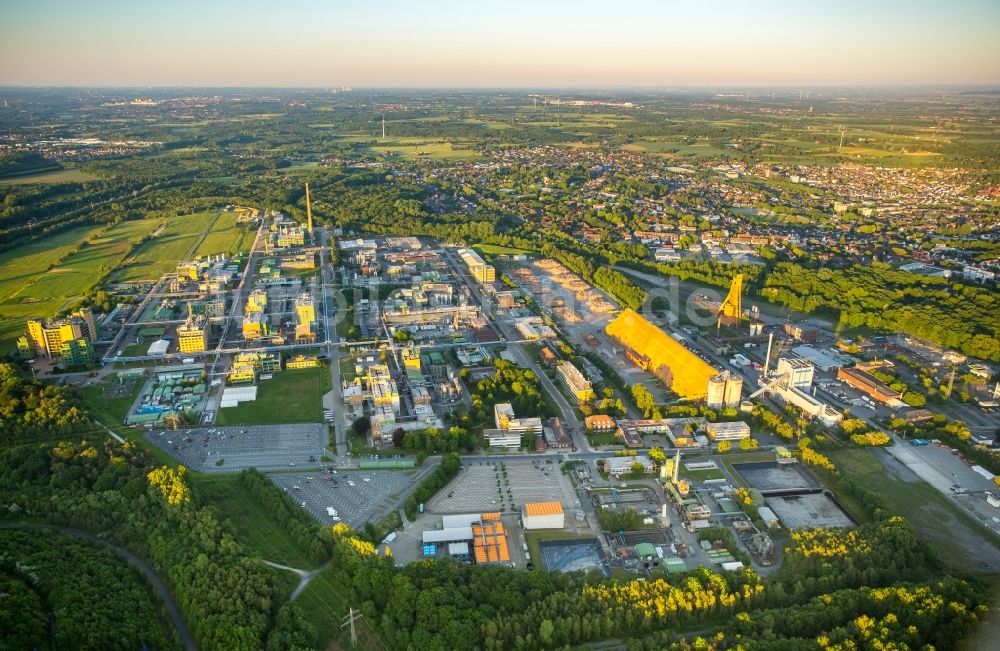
(767, 360)
(309, 213)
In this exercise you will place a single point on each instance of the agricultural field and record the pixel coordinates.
(674, 148)
(178, 241)
(427, 151)
(95, 258)
(226, 237)
(29, 288)
(291, 396)
(55, 176)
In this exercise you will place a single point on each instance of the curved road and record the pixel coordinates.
(144, 568)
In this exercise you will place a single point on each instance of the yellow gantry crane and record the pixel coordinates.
(731, 309)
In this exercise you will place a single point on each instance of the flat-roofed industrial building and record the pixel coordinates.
(543, 515)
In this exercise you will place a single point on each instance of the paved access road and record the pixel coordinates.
(144, 568)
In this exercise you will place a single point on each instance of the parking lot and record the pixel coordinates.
(537, 481)
(473, 491)
(940, 467)
(357, 496)
(231, 449)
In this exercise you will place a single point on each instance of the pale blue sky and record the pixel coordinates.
(492, 43)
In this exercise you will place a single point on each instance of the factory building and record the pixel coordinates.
(256, 300)
(800, 332)
(618, 466)
(509, 427)
(809, 405)
(724, 390)
(290, 236)
(578, 386)
(555, 435)
(302, 361)
(543, 515)
(485, 534)
(869, 385)
(192, 335)
(798, 372)
(305, 315)
(255, 325)
(248, 367)
(76, 352)
(383, 388)
(188, 270)
(736, 431)
(503, 416)
(481, 271)
(305, 308)
(654, 350)
(47, 337)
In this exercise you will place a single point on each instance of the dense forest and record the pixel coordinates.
(59, 592)
(884, 299)
(31, 409)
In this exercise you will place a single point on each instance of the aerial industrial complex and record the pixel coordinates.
(336, 356)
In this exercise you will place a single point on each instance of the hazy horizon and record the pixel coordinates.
(449, 44)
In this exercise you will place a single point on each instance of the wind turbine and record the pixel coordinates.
(842, 130)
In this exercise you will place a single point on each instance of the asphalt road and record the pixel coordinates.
(144, 568)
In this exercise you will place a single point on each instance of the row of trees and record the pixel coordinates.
(619, 288)
(450, 466)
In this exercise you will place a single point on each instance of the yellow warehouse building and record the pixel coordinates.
(657, 350)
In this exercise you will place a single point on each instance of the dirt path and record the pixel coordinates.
(144, 568)
(305, 576)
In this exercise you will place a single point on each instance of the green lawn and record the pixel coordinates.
(110, 411)
(293, 396)
(700, 475)
(249, 522)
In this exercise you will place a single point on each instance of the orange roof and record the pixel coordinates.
(490, 542)
(491, 516)
(543, 508)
